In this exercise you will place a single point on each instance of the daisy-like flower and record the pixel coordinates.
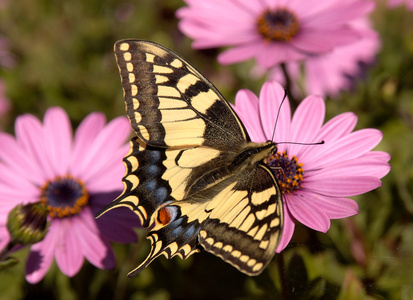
(316, 180)
(330, 73)
(271, 31)
(394, 3)
(73, 178)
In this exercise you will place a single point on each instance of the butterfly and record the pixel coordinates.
(192, 172)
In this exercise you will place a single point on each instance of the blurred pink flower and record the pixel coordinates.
(394, 3)
(316, 180)
(74, 178)
(329, 73)
(271, 31)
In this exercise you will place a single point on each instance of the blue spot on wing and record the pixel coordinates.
(190, 231)
(155, 155)
(153, 170)
(151, 185)
(161, 193)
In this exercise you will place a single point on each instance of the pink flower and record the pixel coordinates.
(74, 178)
(394, 3)
(271, 31)
(329, 73)
(316, 180)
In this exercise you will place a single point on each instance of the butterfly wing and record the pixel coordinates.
(170, 104)
(241, 223)
(245, 230)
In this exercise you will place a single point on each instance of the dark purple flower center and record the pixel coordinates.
(288, 172)
(278, 25)
(64, 196)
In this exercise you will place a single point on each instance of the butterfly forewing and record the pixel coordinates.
(169, 103)
(192, 171)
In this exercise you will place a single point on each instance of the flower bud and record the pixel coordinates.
(27, 224)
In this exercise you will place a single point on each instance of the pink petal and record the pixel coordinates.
(97, 251)
(271, 95)
(288, 230)
(304, 208)
(337, 208)
(17, 187)
(340, 13)
(246, 107)
(109, 140)
(351, 146)
(337, 127)
(58, 139)
(85, 135)
(273, 53)
(341, 186)
(322, 41)
(334, 129)
(377, 155)
(117, 224)
(109, 177)
(13, 155)
(357, 167)
(29, 133)
(68, 250)
(306, 123)
(41, 256)
(238, 53)
(209, 36)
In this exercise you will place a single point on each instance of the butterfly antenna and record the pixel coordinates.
(278, 114)
(306, 144)
(275, 126)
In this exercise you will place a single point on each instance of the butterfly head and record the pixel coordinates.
(273, 147)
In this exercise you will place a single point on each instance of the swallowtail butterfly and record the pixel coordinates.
(192, 171)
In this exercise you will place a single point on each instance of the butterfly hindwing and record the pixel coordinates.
(246, 233)
(144, 189)
(192, 171)
(241, 223)
(169, 103)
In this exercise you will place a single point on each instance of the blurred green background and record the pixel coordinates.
(62, 54)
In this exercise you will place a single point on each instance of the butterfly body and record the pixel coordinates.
(192, 171)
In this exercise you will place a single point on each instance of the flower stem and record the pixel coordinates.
(6, 250)
(285, 290)
(6, 261)
(288, 85)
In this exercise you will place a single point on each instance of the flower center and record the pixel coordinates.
(64, 196)
(279, 25)
(288, 172)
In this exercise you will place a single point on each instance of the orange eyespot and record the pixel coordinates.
(164, 216)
